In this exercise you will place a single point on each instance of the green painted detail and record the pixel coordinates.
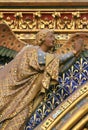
(7, 52)
(85, 53)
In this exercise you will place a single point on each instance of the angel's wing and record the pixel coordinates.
(69, 47)
(9, 43)
(70, 43)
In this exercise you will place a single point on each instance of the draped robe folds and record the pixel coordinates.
(21, 81)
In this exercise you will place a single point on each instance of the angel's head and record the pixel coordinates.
(46, 38)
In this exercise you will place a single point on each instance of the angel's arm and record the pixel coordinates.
(65, 57)
(74, 53)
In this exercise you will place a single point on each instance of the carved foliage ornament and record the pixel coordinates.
(53, 20)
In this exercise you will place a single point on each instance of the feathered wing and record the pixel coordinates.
(69, 45)
(10, 45)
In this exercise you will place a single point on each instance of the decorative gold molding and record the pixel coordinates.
(59, 21)
(27, 22)
(84, 9)
(64, 108)
(75, 118)
(81, 123)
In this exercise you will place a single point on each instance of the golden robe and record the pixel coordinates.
(21, 83)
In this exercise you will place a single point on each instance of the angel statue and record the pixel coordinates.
(25, 79)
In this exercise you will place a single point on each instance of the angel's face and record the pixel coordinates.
(49, 40)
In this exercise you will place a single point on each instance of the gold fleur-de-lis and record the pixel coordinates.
(76, 14)
(18, 15)
(37, 14)
(1, 15)
(43, 111)
(56, 14)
